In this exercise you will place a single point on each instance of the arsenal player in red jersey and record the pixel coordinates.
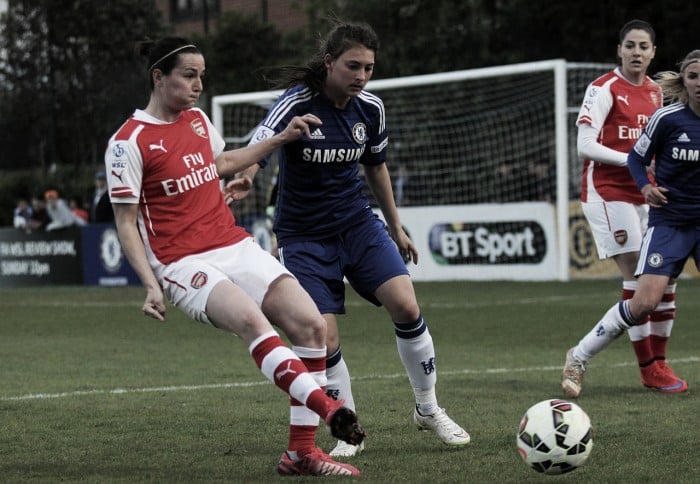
(163, 167)
(671, 140)
(615, 110)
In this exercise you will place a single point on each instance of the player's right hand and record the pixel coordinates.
(300, 126)
(153, 306)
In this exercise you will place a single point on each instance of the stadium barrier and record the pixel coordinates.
(88, 255)
(514, 241)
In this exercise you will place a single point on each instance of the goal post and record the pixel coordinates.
(483, 164)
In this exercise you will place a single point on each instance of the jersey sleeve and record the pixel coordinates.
(640, 157)
(124, 168)
(217, 141)
(378, 135)
(595, 108)
(261, 133)
(275, 121)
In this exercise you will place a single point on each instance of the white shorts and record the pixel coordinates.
(617, 227)
(188, 282)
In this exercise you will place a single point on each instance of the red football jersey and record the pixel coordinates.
(619, 110)
(169, 170)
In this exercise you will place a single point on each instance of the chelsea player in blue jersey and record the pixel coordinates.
(671, 140)
(326, 230)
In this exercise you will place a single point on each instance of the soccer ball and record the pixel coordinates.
(554, 437)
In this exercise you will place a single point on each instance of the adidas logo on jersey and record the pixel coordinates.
(684, 138)
(317, 134)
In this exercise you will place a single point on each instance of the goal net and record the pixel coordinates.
(481, 137)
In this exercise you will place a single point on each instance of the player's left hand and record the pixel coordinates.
(654, 196)
(406, 247)
(237, 189)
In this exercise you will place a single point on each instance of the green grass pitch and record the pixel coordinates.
(92, 391)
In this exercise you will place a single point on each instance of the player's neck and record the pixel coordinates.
(339, 100)
(636, 78)
(694, 107)
(160, 111)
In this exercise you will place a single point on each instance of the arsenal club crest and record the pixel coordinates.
(198, 127)
(198, 280)
(620, 237)
(655, 99)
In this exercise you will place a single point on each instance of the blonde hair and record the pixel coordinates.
(671, 82)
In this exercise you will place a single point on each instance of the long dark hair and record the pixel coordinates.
(343, 36)
(164, 54)
(637, 24)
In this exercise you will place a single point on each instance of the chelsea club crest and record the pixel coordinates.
(359, 133)
(110, 250)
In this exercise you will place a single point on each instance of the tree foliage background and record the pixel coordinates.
(69, 75)
(426, 36)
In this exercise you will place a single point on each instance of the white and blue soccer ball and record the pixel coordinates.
(554, 437)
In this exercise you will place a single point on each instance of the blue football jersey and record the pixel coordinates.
(319, 184)
(672, 140)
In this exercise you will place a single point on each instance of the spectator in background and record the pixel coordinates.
(59, 212)
(40, 216)
(542, 186)
(400, 183)
(76, 207)
(100, 206)
(22, 214)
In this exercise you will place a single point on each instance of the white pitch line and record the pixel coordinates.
(488, 371)
(122, 391)
(214, 386)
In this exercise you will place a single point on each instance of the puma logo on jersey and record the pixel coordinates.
(286, 371)
(160, 147)
(118, 175)
(623, 99)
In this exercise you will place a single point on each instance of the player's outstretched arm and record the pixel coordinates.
(231, 162)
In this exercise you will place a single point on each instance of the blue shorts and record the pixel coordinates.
(665, 250)
(364, 253)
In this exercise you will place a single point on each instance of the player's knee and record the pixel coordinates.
(317, 331)
(332, 342)
(403, 308)
(307, 333)
(642, 307)
(405, 314)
